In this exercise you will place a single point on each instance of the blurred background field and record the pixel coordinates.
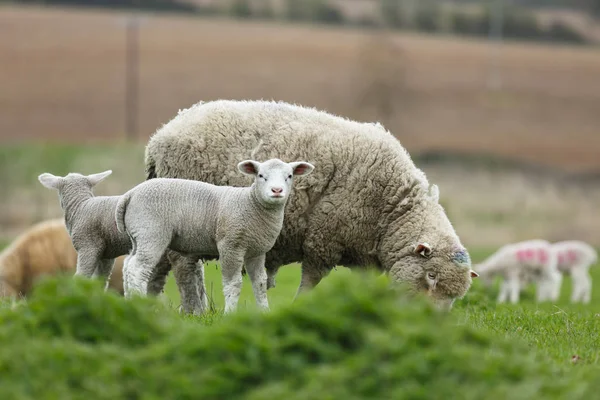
(508, 129)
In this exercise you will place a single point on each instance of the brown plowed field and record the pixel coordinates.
(62, 77)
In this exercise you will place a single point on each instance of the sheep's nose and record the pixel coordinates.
(277, 190)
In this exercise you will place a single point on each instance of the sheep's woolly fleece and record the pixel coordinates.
(365, 204)
(43, 249)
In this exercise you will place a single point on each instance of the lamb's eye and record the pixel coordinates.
(431, 275)
(260, 176)
(290, 176)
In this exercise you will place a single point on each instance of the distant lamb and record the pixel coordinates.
(575, 258)
(200, 220)
(43, 249)
(367, 205)
(521, 263)
(90, 223)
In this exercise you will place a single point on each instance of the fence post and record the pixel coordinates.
(131, 76)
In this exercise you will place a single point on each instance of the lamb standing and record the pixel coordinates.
(200, 220)
(575, 258)
(521, 263)
(367, 205)
(43, 249)
(91, 225)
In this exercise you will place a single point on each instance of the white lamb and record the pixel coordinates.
(521, 263)
(200, 220)
(91, 225)
(575, 258)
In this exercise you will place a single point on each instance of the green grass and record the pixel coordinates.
(351, 338)
(559, 330)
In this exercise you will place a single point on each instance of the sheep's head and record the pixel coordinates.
(274, 178)
(443, 273)
(436, 263)
(72, 184)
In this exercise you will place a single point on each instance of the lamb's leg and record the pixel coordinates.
(231, 267)
(149, 252)
(258, 276)
(158, 279)
(556, 285)
(541, 290)
(104, 270)
(189, 276)
(515, 289)
(87, 263)
(582, 285)
(126, 285)
(504, 289)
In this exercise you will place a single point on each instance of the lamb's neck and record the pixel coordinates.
(72, 201)
(271, 212)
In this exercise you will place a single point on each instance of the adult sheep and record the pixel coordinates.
(43, 249)
(366, 204)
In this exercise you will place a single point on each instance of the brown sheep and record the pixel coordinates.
(44, 249)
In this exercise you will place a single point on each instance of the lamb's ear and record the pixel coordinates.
(423, 249)
(49, 180)
(302, 167)
(94, 179)
(434, 193)
(249, 167)
(474, 274)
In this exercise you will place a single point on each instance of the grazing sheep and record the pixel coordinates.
(91, 225)
(199, 220)
(43, 249)
(521, 263)
(368, 205)
(575, 258)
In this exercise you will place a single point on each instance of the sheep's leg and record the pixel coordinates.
(142, 264)
(231, 267)
(556, 285)
(582, 285)
(87, 263)
(503, 294)
(189, 276)
(126, 275)
(258, 276)
(104, 270)
(514, 290)
(310, 277)
(541, 290)
(158, 279)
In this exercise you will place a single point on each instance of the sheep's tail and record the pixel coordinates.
(120, 212)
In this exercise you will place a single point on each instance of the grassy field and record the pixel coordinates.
(560, 330)
(65, 80)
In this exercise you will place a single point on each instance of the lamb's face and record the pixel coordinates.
(443, 274)
(274, 178)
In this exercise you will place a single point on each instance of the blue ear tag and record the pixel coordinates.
(462, 258)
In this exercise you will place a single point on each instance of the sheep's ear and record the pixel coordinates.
(302, 167)
(49, 180)
(248, 167)
(434, 193)
(94, 179)
(474, 274)
(423, 249)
